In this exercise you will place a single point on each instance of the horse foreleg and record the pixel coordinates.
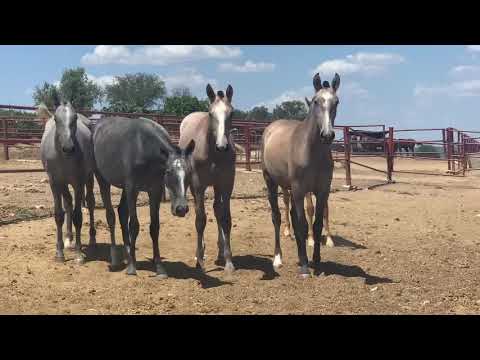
(155, 199)
(59, 219)
(90, 198)
(67, 198)
(77, 218)
(200, 223)
(300, 227)
(277, 219)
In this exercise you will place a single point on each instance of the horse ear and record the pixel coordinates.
(43, 112)
(229, 93)
(56, 99)
(190, 148)
(317, 82)
(210, 93)
(308, 102)
(336, 82)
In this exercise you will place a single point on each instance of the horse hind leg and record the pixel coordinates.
(328, 238)
(286, 201)
(310, 213)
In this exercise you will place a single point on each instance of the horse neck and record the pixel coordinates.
(310, 133)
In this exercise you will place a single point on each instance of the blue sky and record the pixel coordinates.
(402, 86)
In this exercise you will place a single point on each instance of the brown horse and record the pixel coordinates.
(296, 155)
(213, 164)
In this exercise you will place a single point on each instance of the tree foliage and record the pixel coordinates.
(74, 87)
(140, 92)
(290, 110)
(79, 90)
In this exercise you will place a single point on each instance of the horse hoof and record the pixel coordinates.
(60, 259)
(80, 260)
(200, 266)
(304, 272)
(131, 270)
(229, 268)
(329, 243)
(277, 262)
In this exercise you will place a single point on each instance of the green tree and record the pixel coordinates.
(290, 110)
(138, 92)
(45, 93)
(182, 104)
(260, 113)
(78, 89)
(239, 114)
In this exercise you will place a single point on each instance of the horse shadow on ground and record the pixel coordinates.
(340, 241)
(252, 262)
(333, 268)
(175, 269)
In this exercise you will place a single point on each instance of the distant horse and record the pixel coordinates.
(297, 155)
(405, 144)
(67, 156)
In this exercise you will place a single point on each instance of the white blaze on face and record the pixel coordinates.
(220, 114)
(327, 125)
(180, 176)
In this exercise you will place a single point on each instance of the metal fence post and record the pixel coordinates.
(247, 148)
(346, 143)
(390, 155)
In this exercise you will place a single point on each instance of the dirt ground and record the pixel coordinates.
(407, 248)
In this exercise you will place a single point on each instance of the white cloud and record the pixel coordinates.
(362, 62)
(474, 48)
(248, 66)
(157, 54)
(467, 88)
(464, 70)
(188, 78)
(289, 95)
(102, 81)
(350, 90)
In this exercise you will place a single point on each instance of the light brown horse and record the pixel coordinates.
(213, 164)
(296, 155)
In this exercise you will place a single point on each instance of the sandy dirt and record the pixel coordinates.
(407, 248)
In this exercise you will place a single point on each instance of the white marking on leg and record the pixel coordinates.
(277, 261)
(330, 242)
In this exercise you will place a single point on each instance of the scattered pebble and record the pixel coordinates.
(374, 289)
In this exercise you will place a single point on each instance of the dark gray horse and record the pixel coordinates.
(213, 164)
(67, 156)
(296, 155)
(138, 155)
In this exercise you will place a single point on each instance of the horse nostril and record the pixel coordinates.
(181, 210)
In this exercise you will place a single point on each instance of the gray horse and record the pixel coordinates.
(213, 164)
(296, 155)
(138, 155)
(67, 156)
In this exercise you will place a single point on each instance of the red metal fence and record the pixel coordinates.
(457, 148)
